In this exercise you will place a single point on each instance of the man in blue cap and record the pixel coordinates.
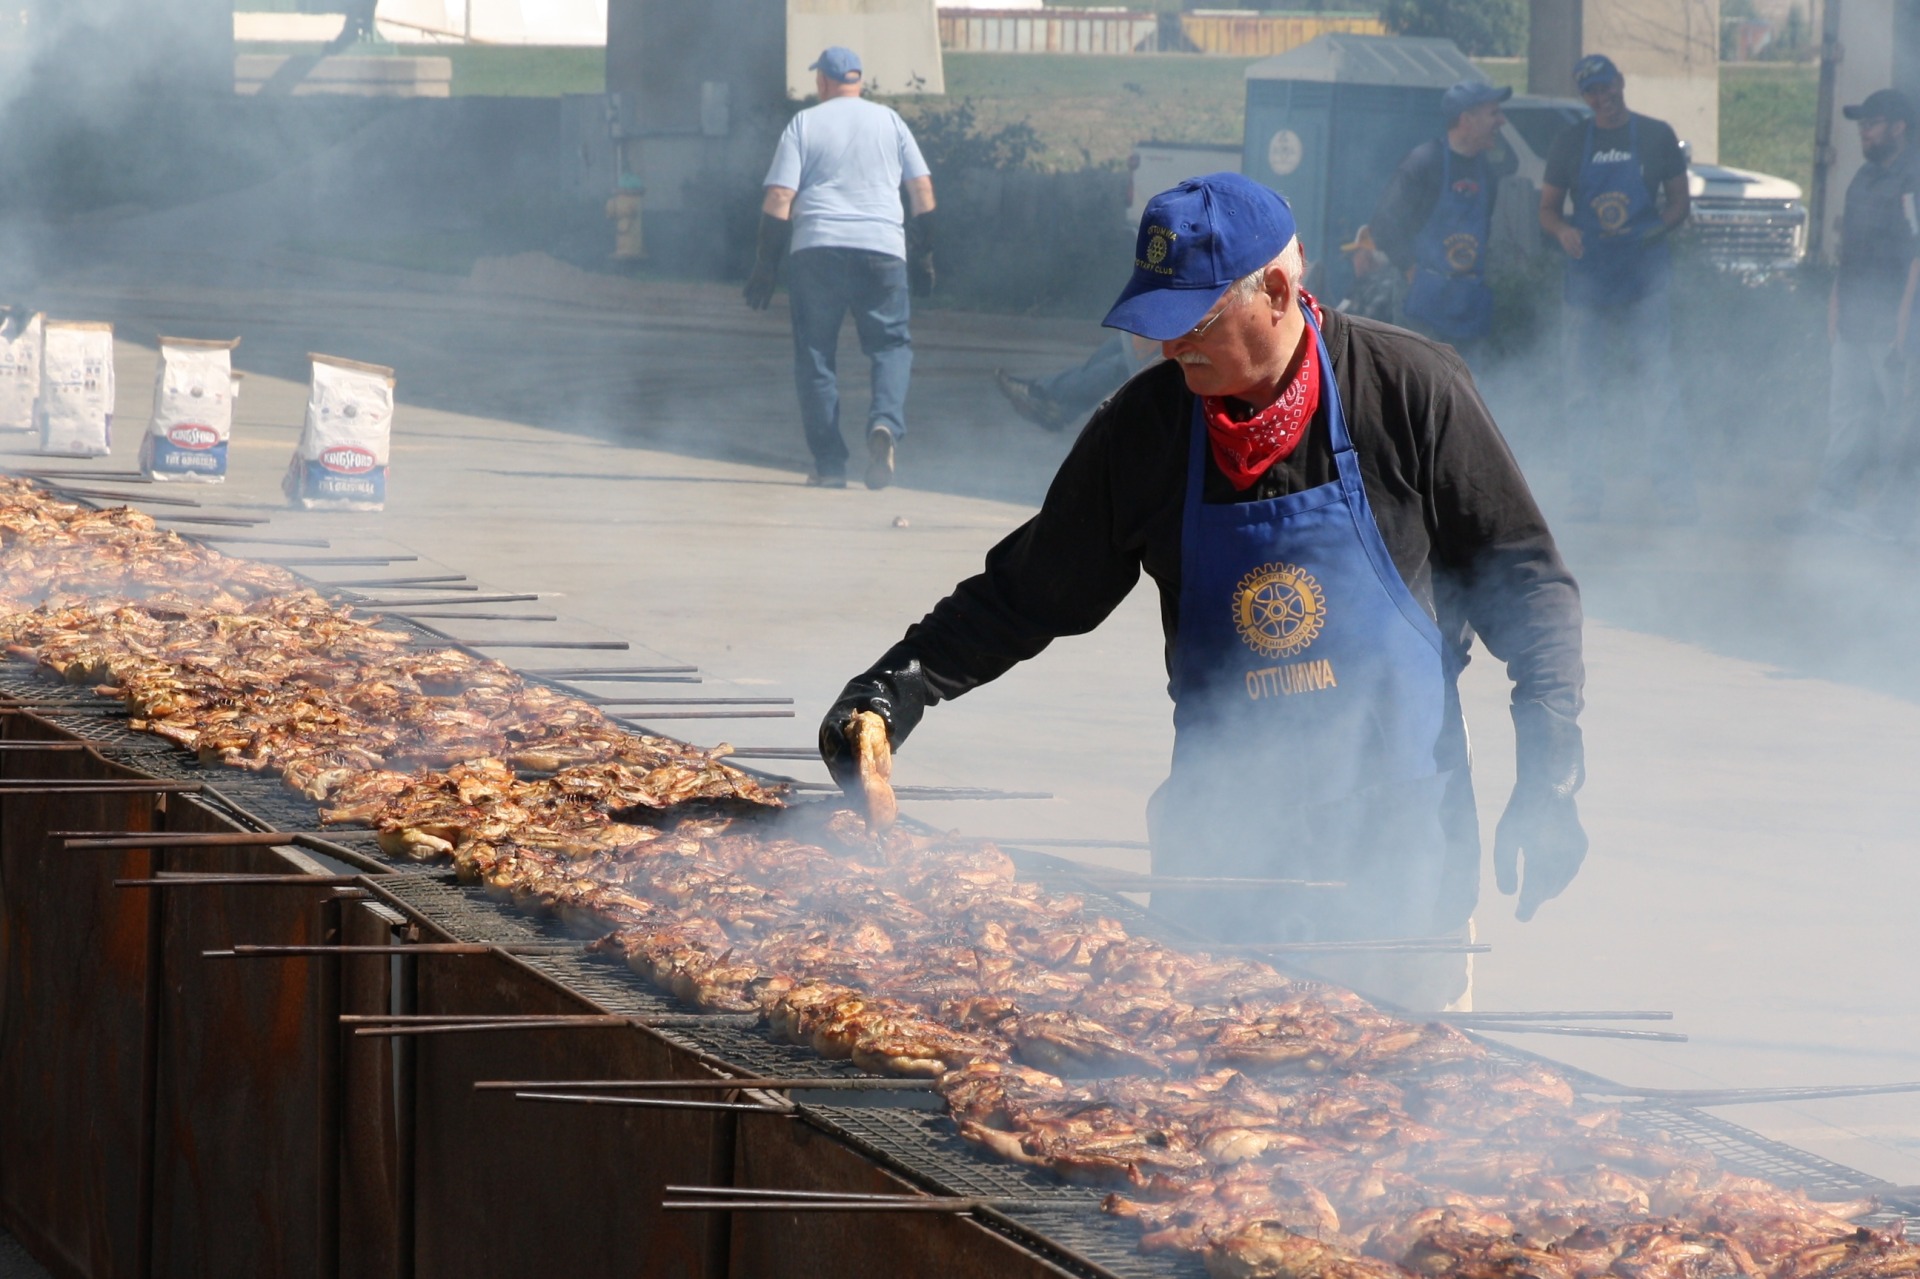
(832, 210)
(1626, 176)
(1436, 218)
(1330, 515)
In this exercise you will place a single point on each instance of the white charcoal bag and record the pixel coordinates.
(340, 463)
(193, 389)
(75, 408)
(19, 371)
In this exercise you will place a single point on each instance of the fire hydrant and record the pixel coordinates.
(624, 211)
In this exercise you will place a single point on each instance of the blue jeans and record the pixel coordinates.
(1651, 422)
(823, 285)
(1870, 417)
(1080, 389)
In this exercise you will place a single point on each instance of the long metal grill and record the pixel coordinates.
(897, 1131)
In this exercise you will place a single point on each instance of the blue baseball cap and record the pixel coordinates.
(837, 62)
(1469, 94)
(1194, 242)
(1594, 70)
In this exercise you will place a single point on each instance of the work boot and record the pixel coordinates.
(1031, 403)
(879, 457)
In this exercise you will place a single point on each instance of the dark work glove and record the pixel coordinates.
(1541, 822)
(775, 235)
(895, 689)
(920, 254)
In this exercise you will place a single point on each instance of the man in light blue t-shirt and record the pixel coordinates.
(833, 203)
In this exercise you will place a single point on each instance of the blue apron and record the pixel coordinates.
(1313, 705)
(1614, 213)
(1449, 293)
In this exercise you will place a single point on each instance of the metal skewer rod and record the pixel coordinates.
(611, 672)
(319, 543)
(42, 747)
(924, 792)
(857, 1197)
(243, 951)
(1010, 841)
(1748, 1096)
(1556, 1015)
(415, 615)
(472, 1019)
(1120, 882)
(180, 879)
(1581, 1032)
(641, 721)
(584, 1022)
(101, 788)
(225, 521)
(453, 582)
(317, 561)
(774, 752)
(692, 701)
(109, 495)
(923, 1204)
(34, 473)
(614, 646)
(161, 839)
(774, 1084)
(1434, 945)
(651, 1103)
(433, 601)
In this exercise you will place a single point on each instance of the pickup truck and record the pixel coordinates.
(1751, 223)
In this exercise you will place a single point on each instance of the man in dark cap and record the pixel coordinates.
(1436, 218)
(1626, 176)
(1330, 515)
(1871, 398)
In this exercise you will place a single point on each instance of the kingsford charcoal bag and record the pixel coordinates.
(192, 419)
(340, 463)
(75, 408)
(19, 372)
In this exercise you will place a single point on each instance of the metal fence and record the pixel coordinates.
(1242, 33)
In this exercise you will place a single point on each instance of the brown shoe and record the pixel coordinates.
(879, 457)
(1029, 403)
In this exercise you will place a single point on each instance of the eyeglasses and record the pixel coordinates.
(1199, 330)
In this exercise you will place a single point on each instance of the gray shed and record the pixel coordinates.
(1327, 123)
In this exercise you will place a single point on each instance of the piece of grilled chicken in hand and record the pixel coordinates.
(867, 734)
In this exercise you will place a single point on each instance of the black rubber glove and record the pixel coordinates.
(1542, 822)
(895, 689)
(920, 254)
(775, 235)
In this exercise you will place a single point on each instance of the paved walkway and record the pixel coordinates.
(631, 453)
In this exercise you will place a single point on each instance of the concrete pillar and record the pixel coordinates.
(1553, 46)
(1669, 51)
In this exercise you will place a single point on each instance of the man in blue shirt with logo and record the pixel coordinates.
(833, 204)
(1436, 218)
(1330, 516)
(1626, 177)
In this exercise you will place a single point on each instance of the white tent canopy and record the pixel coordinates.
(577, 22)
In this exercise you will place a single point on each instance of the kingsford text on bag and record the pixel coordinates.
(19, 371)
(340, 463)
(193, 391)
(75, 409)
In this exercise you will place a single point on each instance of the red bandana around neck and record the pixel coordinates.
(1244, 449)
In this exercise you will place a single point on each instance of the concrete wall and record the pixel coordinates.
(1669, 51)
(898, 42)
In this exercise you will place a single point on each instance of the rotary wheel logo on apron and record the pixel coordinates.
(1611, 209)
(1279, 609)
(1463, 251)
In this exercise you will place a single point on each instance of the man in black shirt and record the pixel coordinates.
(1870, 398)
(1330, 515)
(1627, 178)
(1436, 217)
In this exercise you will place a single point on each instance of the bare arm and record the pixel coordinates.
(1553, 199)
(779, 202)
(919, 195)
(1679, 201)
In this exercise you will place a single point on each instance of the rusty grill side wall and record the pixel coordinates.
(73, 1019)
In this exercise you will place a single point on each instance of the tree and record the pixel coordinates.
(1482, 28)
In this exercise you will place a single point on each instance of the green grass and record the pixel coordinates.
(1767, 116)
(488, 70)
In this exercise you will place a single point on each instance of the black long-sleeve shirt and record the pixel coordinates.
(1454, 510)
(1414, 189)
